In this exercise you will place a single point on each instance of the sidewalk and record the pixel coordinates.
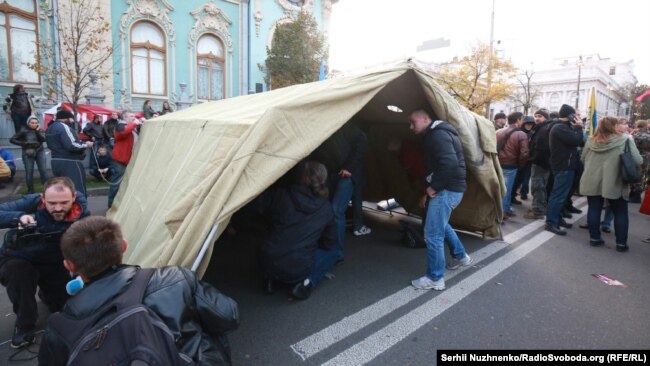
(11, 190)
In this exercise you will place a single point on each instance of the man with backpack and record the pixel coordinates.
(163, 316)
(512, 149)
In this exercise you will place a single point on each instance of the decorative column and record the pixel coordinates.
(125, 101)
(184, 101)
(95, 96)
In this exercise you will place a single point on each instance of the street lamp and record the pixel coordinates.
(579, 74)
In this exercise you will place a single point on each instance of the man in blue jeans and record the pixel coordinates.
(343, 154)
(445, 181)
(564, 139)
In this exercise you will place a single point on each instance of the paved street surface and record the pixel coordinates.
(534, 290)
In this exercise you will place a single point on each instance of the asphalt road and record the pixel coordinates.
(533, 291)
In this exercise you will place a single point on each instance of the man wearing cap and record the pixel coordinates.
(68, 151)
(564, 139)
(540, 169)
(499, 121)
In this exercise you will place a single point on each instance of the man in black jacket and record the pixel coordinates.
(26, 265)
(445, 176)
(197, 314)
(540, 170)
(564, 139)
(68, 151)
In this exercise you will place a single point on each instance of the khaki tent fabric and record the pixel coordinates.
(197, 167)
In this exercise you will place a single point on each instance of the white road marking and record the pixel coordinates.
(379, 342)
(366, 316)
(323, 339)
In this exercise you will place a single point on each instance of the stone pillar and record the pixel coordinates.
(6, 124)
(95, 96)
(184, 101)
(125, 101)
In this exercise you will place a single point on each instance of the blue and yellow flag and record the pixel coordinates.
(593, 115)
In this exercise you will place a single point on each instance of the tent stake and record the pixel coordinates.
(204, 248)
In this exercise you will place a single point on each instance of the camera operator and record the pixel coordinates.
(37, 261)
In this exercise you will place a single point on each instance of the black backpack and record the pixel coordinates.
(412, 235)
(123, 332)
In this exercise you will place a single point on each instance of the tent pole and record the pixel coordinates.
(204, 248)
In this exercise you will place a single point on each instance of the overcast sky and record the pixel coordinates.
(532, 32)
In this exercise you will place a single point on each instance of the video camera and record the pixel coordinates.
(27, 235)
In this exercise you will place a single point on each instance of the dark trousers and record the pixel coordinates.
(621, 219)
(73, 169)
(117, 171)
(522, 182)
(21, 278)
(20, 120)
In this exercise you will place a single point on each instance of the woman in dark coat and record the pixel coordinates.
(31, 139)
(300, 247)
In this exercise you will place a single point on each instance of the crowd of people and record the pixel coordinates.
(560, 159)
(547, 156)
(108, 144)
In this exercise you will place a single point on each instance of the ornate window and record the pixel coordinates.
(148, 59)
(554, 103)
(18, 35)
(211, 66)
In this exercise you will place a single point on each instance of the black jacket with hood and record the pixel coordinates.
(301, 222)
(444, 162)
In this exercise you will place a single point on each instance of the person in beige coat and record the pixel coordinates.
(602, 180)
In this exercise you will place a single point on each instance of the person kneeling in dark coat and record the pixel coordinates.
(300, 247)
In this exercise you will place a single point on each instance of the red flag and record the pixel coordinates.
(640, 97)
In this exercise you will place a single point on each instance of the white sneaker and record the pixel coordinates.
(425, 283)
(457, 263)
(363, 230)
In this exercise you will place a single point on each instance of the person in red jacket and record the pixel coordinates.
(126, 134)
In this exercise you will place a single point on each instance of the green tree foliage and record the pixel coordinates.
(297, 50)
(478, 79)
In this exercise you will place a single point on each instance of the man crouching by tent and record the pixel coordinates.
(301, 245)
(444, 165)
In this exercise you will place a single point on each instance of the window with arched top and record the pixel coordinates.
(554, 102)
(148, 59)
(210, 65)
(18, 35)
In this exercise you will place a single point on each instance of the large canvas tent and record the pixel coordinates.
(195, 168)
